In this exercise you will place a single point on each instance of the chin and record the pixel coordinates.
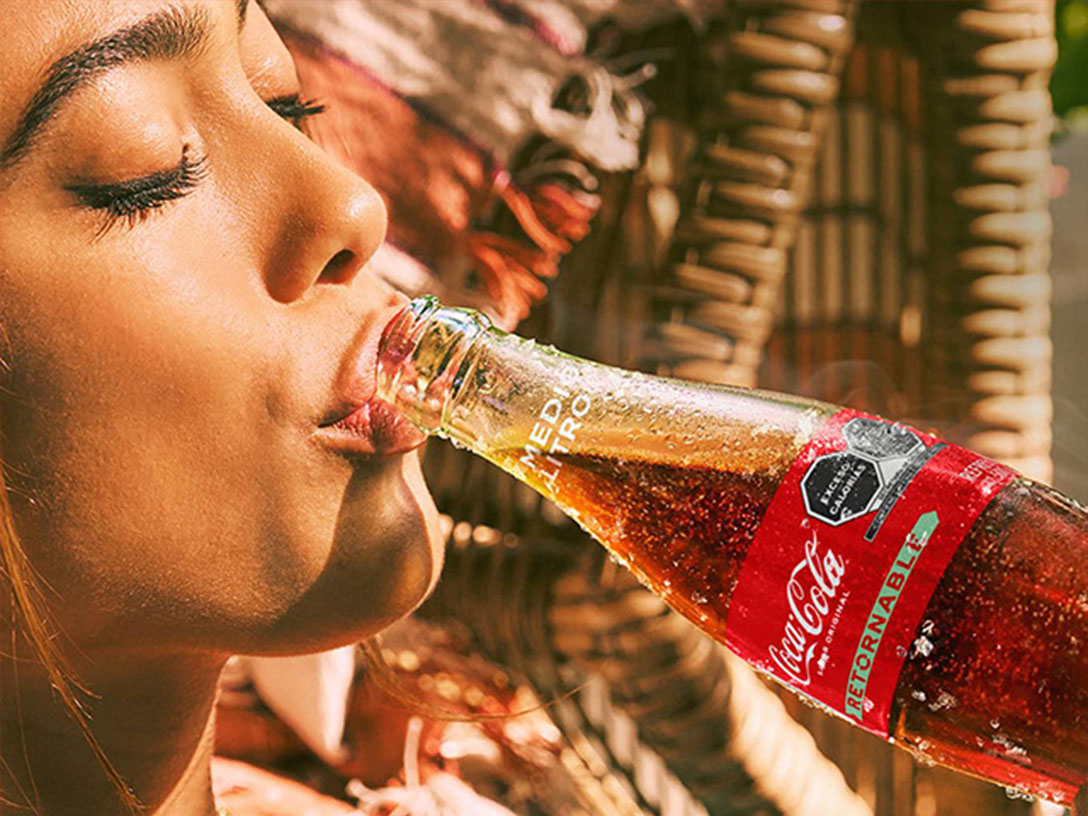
(386, 559)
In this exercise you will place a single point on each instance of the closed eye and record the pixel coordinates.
(134, 199)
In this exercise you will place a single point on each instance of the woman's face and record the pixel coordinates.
(184, 298)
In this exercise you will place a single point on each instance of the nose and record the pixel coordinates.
(330, 222)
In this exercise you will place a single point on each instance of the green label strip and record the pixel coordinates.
(890, 590)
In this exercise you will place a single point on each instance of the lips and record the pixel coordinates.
(357, 423)
(373, 428)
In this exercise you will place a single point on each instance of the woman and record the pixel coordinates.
(188, 316)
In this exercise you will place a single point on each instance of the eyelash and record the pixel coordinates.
(136, 199)
(295, 109)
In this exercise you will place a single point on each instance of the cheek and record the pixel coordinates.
(435, 537)
(387, 548)
(147, 428)
(385, 558)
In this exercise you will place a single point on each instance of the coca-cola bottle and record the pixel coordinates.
(918, 590)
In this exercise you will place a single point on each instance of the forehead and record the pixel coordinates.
(38, 33)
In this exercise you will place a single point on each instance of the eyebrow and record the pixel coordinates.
(172, 33)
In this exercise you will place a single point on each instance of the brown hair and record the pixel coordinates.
(30, 618)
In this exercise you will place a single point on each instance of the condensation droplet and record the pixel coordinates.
(923, 646)
(944, 700)
(1013, 793)
(616, 559)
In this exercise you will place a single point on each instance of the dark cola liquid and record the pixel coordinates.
(997, 682)
(999, 685)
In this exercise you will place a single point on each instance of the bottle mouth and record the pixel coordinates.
(420, 356)
(399, 338)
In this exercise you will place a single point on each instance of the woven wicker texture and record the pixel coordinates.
(989, 296)
(501, 591)
(925, 247)
(776, 69)
(651, 690)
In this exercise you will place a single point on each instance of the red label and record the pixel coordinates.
(849, 553)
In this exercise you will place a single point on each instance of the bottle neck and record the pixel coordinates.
(421, 358)
(511, 400)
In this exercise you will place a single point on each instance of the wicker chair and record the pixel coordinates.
(885, 247)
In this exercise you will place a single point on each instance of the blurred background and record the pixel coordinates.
(879, 204)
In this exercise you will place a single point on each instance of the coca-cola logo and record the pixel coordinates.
(812, 584)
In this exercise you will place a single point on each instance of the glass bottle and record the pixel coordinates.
(914, 588)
